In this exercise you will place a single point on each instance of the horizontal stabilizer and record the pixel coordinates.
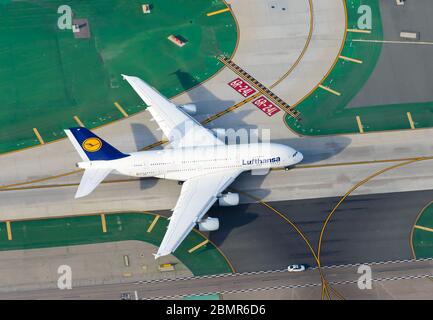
(91, 179)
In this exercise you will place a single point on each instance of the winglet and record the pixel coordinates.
(145, 91)
(156, 255)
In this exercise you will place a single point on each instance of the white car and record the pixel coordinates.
(296, 268)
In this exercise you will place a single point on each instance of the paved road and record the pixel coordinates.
(346, 276)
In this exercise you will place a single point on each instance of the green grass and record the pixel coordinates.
(120, 227)
(423, 240)
(47, 76)
(324, 113)
(204, 297)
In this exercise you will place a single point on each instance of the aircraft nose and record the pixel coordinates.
(299, 157)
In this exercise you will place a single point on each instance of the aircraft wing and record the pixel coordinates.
(180, 129)
(197, 196)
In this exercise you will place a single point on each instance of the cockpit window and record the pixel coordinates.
(295, 154)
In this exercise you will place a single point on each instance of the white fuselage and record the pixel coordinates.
(184, 163)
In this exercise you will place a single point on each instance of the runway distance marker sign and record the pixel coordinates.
(266, 106)
(242, 87)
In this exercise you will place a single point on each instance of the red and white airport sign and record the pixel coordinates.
(266, 106)
(242, 87)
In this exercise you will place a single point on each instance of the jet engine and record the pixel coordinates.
(209, 224)
(229, 199)
(189, 108)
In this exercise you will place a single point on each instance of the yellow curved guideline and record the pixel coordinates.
(219, 250)
(413, 228)
(325, 285)
(369, 178)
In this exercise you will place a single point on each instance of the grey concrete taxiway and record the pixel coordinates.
(345, 277)
(91, 264)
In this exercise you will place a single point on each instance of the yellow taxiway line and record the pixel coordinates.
(152, 225)
(423, 228)
(412, 248)
(355, 187)
(351, 59)
(77, 120)
(201, 244)
(41, 141)
(16, 185)
(28, 186)
(330, 90)
(9, 230)
(218, 249)
(122, 111)
(104, 223)
(359, 31)
(217, 12)
(360, 126)
(325, 286)
(412, 124)
(154, 145)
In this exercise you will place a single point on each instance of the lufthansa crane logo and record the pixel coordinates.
(92, 144)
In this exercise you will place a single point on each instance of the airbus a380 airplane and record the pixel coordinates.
(205, 164)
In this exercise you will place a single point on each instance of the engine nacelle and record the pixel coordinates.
(189, 108)
(209, 224)
(229, 199)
